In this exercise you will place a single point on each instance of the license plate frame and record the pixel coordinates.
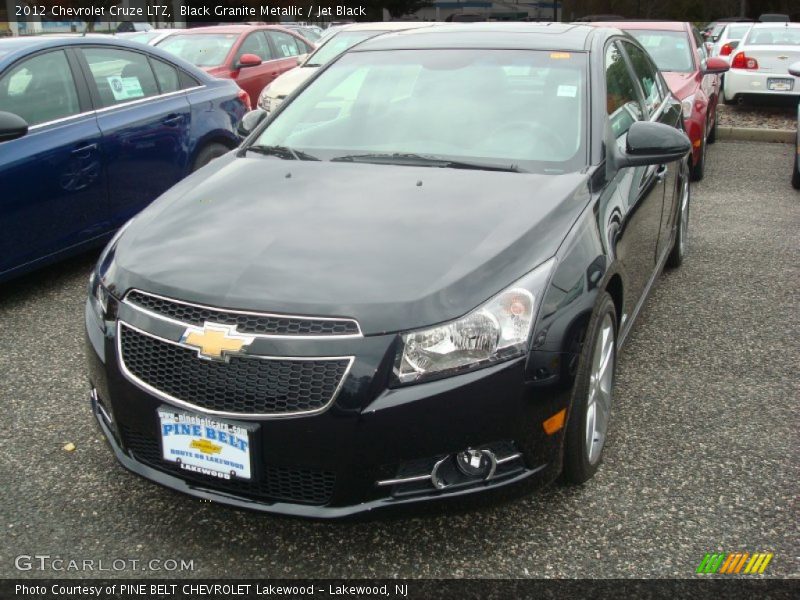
(193, 442)
(780, 84)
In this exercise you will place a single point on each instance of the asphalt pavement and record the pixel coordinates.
(702, 454)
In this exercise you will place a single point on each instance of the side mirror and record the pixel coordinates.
(250, 121)
(301, 58)
(651, 144)
(12, 127)
(248, 60)
(715, 65)
(794, 69)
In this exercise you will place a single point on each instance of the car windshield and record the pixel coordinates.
(201, 49)
(774, 36)
(670, 50)
(736, 32)
(337, 44)
(515, 110)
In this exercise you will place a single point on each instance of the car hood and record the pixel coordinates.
(680, 84)
(394, 247)
(288, 82)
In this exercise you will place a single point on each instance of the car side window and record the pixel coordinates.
(120, 75)
(285, 44)
(257, 44)
(702, 53)
(40, 89)
(622, 99)
(166, 75)
(647, 75)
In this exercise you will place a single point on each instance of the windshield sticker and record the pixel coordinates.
(125, 88)
(568, 91)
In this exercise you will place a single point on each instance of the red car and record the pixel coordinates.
(693, 77)
(251, 55)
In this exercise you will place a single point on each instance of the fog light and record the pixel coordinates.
(474, 463)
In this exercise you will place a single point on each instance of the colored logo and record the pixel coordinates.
(214, 341)
(735, 563)
(205, 446)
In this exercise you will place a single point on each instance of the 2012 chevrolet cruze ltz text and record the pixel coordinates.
(410, 282)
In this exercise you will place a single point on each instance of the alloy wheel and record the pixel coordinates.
(601, 380)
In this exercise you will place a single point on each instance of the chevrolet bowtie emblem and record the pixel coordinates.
(214, 341)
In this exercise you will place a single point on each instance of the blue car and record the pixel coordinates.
(91, 131)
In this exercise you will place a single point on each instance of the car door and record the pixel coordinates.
(709, 84)
(662, 109)
(53, 193)
(256, 78)
(641, 192)
(145, 120)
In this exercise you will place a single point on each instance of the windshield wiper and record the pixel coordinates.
(424, 160)
(283, 152)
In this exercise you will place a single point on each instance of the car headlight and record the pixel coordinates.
(264, 100)
(497, 330)
(98, 292)
(98, 295)
(687, 105)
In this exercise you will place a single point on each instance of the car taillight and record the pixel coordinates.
(245, 98)
(742, 61)
(726, 50)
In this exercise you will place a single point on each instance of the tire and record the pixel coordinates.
(208, 153)
(676, 255)
(586, 433)
(712, 135)
(796, 173)
(698, 170)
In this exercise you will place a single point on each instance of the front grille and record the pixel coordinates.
(244, 385)
(288, 484)
(245, 323)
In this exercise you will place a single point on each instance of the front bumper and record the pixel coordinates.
(344, 460)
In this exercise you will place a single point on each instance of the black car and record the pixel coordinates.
(411, 282)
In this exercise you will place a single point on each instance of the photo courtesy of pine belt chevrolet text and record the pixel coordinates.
(393, 291)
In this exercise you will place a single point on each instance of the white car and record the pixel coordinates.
(728, 39)
(342, 40)
(759, 65)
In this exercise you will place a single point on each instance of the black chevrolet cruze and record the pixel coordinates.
(412, 281)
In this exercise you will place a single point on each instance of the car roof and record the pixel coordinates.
(774, 24)
(385, 26)
(654, 25)
(510, 35)
(225, 29)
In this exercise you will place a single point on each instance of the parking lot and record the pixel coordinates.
(702, 455)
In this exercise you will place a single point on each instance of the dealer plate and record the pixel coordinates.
(205, 445)
(775, 84)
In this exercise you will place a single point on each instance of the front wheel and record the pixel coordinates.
(590, 411)
(678, 251)
(698, 169)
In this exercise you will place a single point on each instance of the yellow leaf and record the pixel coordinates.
(69, 447)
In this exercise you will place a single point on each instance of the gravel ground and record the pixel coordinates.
(776, 114)
(702, 455)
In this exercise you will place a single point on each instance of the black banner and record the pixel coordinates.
(717, 588)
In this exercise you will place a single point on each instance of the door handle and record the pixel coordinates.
(173, 120)
(84, 150)
(661, 173)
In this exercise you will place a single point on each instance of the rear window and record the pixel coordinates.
(202, 50)
(736, 32)
(780, 35)
(670, 50)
